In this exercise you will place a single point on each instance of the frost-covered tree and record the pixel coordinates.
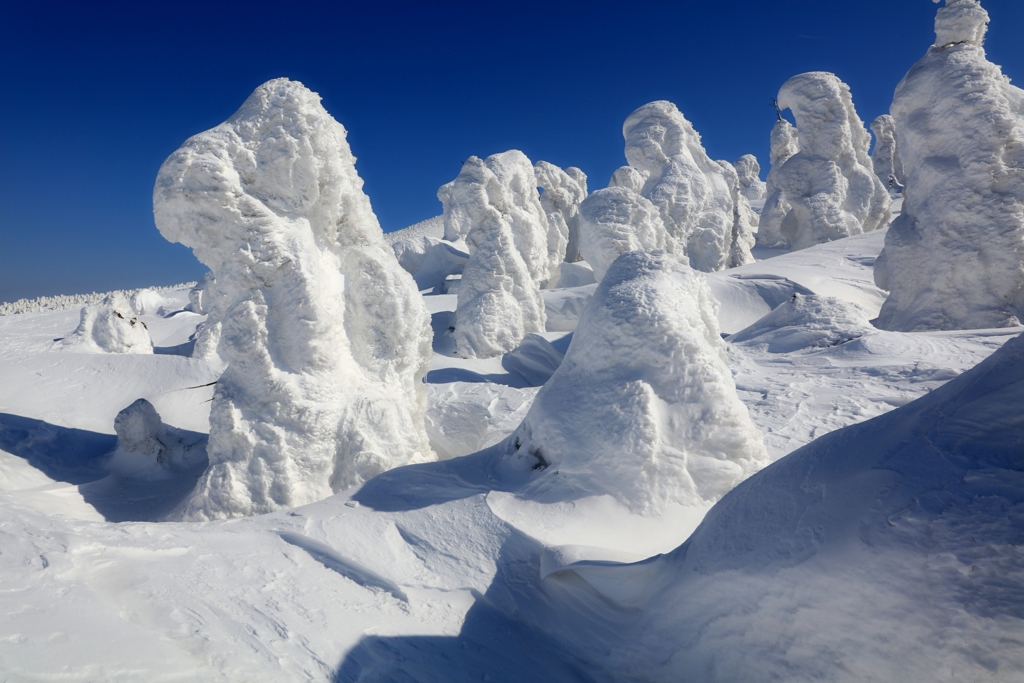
(744, 220)
(629, 178)
(644, 406)
(110, 326)
(954, 259)
(326, 337)
(499, 300)
(749, 172)
(885, 157)
(563, 192)
(686, 185)
(829, 183)
(616, 220)
(784, 144)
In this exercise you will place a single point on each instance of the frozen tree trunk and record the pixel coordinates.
(954, 259)
(326, 337)
(643, 407)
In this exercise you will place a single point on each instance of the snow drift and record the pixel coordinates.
(785, 143)
(885, 157)
(110, 327)
(889, 550)
(616, 220)
(954, 259)
(686, 185)
(749, 172)
(829, 183)
(806, 322)
(643, 407)
(326, 337)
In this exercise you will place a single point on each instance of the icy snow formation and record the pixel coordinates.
(889, 550)
(785, 144)
(749, 172)
(686, 185)
(149, 449)
(326, 337)
(112, 327)
(885, 157)
(195, 295)
(954, 259)
(146, 301)
(499, 299)
(643, 407)
(563, 192)
(744, 220)
(806, 322)
(616, 220)
(830, 184)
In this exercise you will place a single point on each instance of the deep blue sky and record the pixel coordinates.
(97, 95)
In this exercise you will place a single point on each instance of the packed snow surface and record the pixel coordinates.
(829, 183)
(326, 337)
(953, 259)
(643, 407)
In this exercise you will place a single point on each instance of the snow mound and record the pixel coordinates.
(685, 184)
(888, 550)
(147, 302)
(411, 251)
(563, 192)
(565, 306)
(110, 327)
(744, 220)
(535, 360)
(326, 338)
(749, 172)
(616, 220)
(629, 178)
(830, 183)
(785, 144)
(499, 299)
(643, 407)
(432, 227)
(806, 322)
(149, 449)
(885, 157)
(952, 259)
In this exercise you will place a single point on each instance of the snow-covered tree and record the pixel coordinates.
(784, 144)
(885, 157)
(744, 220)
(616, 220)
(954, 259)
(326, 337)
(563, 192)
(829, 183)
(110, 326)
(499, 300)
(644, 406)
(749, 172)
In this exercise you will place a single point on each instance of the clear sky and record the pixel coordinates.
(97, 95)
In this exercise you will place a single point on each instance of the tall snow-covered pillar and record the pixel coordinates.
(563, 192)
(785, 143)
(326, 337)
(885, 157)
(749, 172)
(954, 259)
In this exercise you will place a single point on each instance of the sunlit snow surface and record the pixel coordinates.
(440, 572)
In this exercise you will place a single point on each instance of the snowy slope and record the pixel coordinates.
(420, 573)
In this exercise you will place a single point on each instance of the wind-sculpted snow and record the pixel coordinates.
(829, 183)
(629, 178)
(616, 220)
(326, 337)
(148, 449)
(563, 192)
(806, 322)
(885, 157)
(643, 407)
(785, 144)
(110, 327)
(499, 300)
(686, 185)
(954, 259)
(744, 220)
(749, 172)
